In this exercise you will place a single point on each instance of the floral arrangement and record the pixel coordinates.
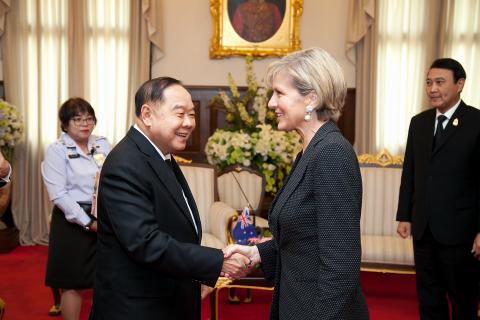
(251, 138)
(11, 128)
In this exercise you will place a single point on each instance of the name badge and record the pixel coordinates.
(73, 156)
(99, 159)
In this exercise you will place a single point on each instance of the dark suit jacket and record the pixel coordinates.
(314, 257)
(149, 261)
(441, 187)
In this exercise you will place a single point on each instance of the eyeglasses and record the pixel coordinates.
(78, 121)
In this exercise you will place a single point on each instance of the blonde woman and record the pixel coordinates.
(314, 256)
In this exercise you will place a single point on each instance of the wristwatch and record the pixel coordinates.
(88, 226)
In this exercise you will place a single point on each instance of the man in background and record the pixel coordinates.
(439, 202)
(149, 260)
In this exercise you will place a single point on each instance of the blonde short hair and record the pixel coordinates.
(314, 70)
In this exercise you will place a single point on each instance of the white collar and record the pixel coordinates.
(164, 157)
(450, 111)
(68, 141)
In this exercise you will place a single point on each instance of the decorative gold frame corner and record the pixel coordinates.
(226, 42)
(383, 159)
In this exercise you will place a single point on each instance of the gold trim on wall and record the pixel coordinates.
(226, 42)
(383, 158)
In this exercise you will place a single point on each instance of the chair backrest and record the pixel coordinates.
(238, 186)
(380, 199)
(202, 181)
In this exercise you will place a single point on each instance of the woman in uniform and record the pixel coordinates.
(69, 171)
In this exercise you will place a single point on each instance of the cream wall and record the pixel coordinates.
(188, 29)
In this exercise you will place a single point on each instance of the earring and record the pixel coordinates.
(308, 116)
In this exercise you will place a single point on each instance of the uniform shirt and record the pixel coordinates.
(69, 174)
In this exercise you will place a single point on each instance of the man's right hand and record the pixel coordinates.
(404, 229)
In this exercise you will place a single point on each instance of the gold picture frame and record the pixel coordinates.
(227, 42)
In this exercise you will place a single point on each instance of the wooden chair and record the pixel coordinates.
(215, 215)
(240, 187)
(382, 249)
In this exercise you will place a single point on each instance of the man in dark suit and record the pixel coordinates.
(149, 260)
(439, 202)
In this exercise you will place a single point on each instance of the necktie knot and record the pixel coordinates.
(169, 163)
(441, 118)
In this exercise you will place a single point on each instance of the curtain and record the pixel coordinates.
(392, 57)
(34, 47)
(145, 26)
(462, 43)
(55, 49)
(106, 64)
(361, 41)
(401, 62)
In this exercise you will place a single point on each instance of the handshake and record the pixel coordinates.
(239, 260)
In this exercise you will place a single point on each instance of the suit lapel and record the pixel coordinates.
(450, 129)
(297, 173)
(164, 173)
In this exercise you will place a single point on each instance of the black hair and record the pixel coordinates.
(452, 65)
(152, 91)
(74, 107)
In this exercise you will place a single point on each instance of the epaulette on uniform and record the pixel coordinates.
(62, 142)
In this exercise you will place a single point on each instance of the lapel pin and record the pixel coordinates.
(455, 122)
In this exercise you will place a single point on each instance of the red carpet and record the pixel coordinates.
(22, 273)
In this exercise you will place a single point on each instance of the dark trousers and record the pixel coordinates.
(446, 270)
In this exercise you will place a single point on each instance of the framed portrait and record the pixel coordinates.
(255, 27)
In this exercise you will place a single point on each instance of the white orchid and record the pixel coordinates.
(266, 150)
